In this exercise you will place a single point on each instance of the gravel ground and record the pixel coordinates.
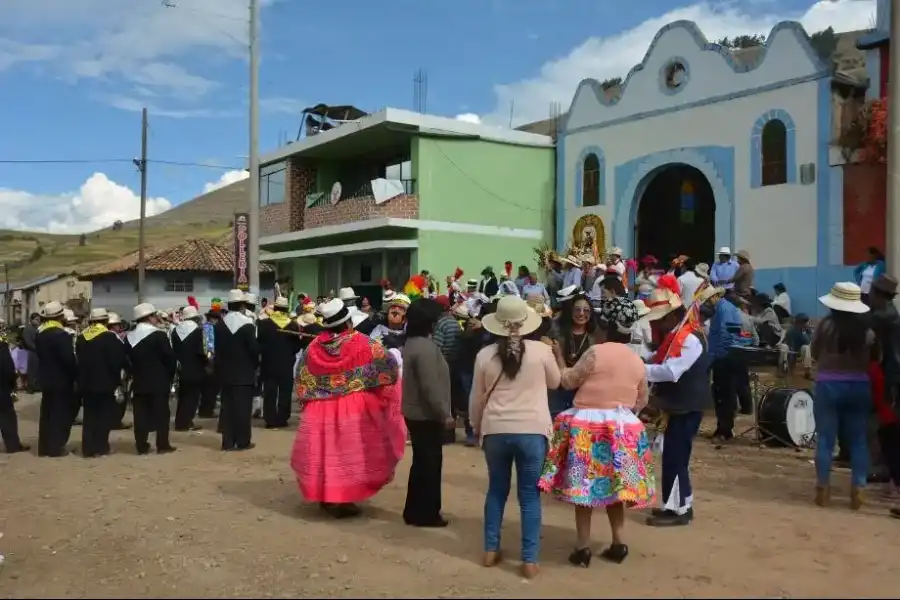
(202, 523)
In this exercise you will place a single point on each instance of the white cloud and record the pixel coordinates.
(142, 44)
(98, 203)
(227, 178)
(613, 56)
(469, 118)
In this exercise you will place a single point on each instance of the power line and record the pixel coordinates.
(87, 161)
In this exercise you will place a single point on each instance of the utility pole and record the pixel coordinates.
(7, 295)
(142, 166)
(893, 107)
(253, 208)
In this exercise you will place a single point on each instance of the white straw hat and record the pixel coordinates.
(615, 251)
(189, 312)
(98, 314)
(844, 297)
(281, 302)
(51, 310)
(235, 296)
(347, 293)
(69, 315)
(702, 269)
(114, 319)
(513, 316)
(724, 250)
(251, 299)
(333, 313)
(143, 310)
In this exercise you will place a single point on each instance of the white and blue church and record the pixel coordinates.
(700, 148)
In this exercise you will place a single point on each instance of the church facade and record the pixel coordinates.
(701, 147)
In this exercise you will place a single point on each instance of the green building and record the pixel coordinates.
(397, 192)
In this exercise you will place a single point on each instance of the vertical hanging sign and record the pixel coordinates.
(242, 251)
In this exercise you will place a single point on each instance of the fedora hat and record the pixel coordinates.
(98, 314)
(333, 313)
(460, 311)
(235, 296)
(281, 302)
(115, 319)
(251, 299)
(724, 250)
(844, 297)
(571, 259)
(189, 312)
(51, 310)
(512, 317)
(69, 315)
(347, 293)
(661, 302)
(400, 300)
(885, 284)
(702, 269)
(144, 310)
(709, 292)
(615, 251)
(743, 254)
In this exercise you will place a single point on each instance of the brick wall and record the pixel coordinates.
(288, 216)
(292, 215)
(865, 210)
(362, 209)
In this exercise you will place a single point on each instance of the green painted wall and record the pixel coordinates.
(304, 274)
(441, 252)
(485, 183)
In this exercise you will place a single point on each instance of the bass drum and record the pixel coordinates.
(785, 416)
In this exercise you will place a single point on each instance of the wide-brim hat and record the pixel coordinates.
(567, 293)
(743, 254)
(115, 319)
(512, 317)
(571, 259)
(98, 314)
(334, 313)
(461, 311)
(615, 251)
(540, 307)
(189, 312)
(347, 293)
(724, 250)
(661, 302)
(710, 292)
(400, 300)
(236, 296)
(844, 296)
(51, 310)
(306, 319)
(702, 269)
(145, 309)
(282, 302)
(251, 299)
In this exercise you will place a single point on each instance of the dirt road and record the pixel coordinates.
(202, 523)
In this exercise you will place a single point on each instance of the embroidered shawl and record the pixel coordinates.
(335, 365)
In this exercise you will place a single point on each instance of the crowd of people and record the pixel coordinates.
(551, 377)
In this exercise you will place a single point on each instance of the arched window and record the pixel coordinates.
(774, 150)
(590, 188)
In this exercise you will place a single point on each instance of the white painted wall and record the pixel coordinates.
(776, 224)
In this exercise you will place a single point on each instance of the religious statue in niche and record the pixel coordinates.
(589, 236)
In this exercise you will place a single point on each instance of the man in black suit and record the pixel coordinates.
(237, 358)
(152, 364)
(187, 342)
(279, 343)
(58, 371)
(9, 421)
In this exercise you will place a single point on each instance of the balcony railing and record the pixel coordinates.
(362, 192)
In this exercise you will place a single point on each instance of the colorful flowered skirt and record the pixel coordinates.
(598, 457)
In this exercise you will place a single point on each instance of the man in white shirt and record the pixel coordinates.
(783, 300)
(690, 281)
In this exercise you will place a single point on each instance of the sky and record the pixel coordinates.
(75, 76)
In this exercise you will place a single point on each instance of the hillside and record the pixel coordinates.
(32, 255)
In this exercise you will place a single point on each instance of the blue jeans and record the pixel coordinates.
(527, 451)
(842, 406)
(465, 382)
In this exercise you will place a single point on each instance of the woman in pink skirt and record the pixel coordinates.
(351, 433)
(600, 455)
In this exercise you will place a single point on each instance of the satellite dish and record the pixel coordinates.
(336, 192)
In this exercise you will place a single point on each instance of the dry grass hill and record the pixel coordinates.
(32, 255)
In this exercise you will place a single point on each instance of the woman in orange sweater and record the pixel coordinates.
(600, 455)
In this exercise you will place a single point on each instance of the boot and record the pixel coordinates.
(823, 495)
(855, 498)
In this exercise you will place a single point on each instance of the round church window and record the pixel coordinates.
(674, 75)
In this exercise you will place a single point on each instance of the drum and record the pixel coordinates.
(785, 415)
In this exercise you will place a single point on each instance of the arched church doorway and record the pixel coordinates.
(677, 215)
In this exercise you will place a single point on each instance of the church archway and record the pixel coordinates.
(676, 215)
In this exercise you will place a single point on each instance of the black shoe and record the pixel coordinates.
(143, 450)
(656, 512)
(121, 427)
(616, 553)
(17, 449)
(274, 425)
(878, 478)
(436, 523)
(210, 415)
(249, 446)
(669, 519)
(340, 511)
(746, 411)
(54, 455)
(166, 450)
(581, 557)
